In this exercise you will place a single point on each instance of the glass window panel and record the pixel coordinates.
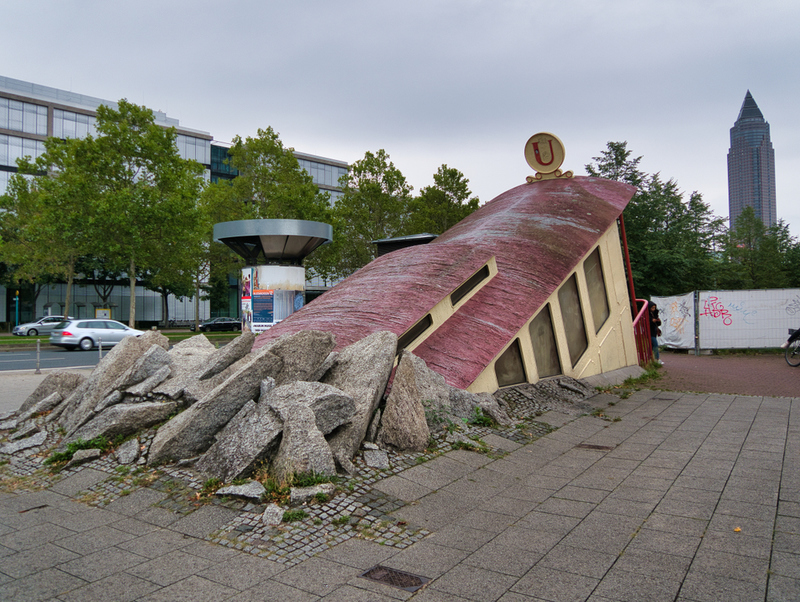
(596, 284)
(572, 317)
(509, 368)
(543, 339)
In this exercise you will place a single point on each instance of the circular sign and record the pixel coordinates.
(544, 152)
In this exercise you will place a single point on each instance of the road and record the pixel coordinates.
(49, 358)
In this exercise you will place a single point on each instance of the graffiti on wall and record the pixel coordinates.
(713, 308)
(793, 306)
(743, 311)
(679, 315)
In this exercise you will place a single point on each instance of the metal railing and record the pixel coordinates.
(641, 331)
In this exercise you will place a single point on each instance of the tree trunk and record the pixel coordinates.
(164, 308)
(197, 304)
(70, 279)
(132, 307)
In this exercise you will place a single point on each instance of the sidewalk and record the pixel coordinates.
(668, 496)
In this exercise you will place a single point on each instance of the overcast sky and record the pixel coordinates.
(461, 82)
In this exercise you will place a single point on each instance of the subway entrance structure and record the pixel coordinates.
(529, 286)
(273, 281)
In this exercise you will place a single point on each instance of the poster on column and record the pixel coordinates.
(246, 298)
(263, 309)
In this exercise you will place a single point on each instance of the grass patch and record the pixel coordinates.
(210, 487)
(481, 418)
(62, 457)
(291, 516)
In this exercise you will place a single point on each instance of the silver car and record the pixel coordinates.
(88, 334)
(41, 326)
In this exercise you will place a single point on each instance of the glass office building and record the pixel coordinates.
(30, 113)
(751, 166)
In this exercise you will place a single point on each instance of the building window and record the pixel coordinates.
(13, 148)
(23, 117)
(545, 349)
(509, 368)
(596, 284)
(413, 333)
(67, 124)
(572, 318)
(470, 285)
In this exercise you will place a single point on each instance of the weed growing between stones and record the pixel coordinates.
(210, 486)
(291, 516)
(58, 459)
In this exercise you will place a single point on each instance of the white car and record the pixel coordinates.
(88, 334)
(40, 326)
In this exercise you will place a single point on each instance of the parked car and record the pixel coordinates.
(219, 324)
(40, 326)
(88, 334)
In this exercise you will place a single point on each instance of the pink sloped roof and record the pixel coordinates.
(537, 232)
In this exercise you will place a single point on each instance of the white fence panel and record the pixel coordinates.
(746, 319)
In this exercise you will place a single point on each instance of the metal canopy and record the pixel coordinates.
(273, 241)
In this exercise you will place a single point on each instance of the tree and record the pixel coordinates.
(442, 205)
(270, 182)
(147, 200)
(672, 243)
(49, 213)
(374, 205)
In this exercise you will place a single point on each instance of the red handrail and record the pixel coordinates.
(641, 331)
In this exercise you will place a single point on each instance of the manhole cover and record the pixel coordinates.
(600, 447)
(395, 578)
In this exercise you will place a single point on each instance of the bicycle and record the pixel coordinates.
(792, 350)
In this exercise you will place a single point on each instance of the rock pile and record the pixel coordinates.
(294, 405)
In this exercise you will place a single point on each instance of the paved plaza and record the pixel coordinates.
(665, 495)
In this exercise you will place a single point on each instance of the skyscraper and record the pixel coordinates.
(751, 165)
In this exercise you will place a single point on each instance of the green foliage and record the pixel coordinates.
(291, 516)
(480, 418)
(374, 205)
(342, 520)
(309, 479)
(442, 205)
(65, 456)
(210, 486)
(673, 242)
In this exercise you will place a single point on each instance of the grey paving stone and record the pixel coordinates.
(486, 521)
(785, 564)
(636, 587)
(602, 478)
(33, 537)
(138, 500)
(737, 543)
(727, 523)
(92, 567)
(79, 481)
(95, 539)
(364, 554)
(159, 517)
(429, 479)
(426, 559)
(500, 504)
(648, 562)
(317, 576)
(44, 585)
(733, 566)
(156, 543)
(204, 520)
(270, 591)
(170, 568)
(473, 583)
(451, 536)
(784, 524)
(581, 494)
(783, 589)
(497, 557)
(471, 459)
(83, 521)
(706, 588)
(566, 507)
(550, 584)
(191, 589)
(353, 593)
(698, 510)
(402, 488)
(677, 524)
(667, 543)
(525, 492)
(134, 526)
(580, 561)
(628, 508)
(33, 560)
(120, 587)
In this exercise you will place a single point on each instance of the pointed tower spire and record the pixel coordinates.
(750, 109)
